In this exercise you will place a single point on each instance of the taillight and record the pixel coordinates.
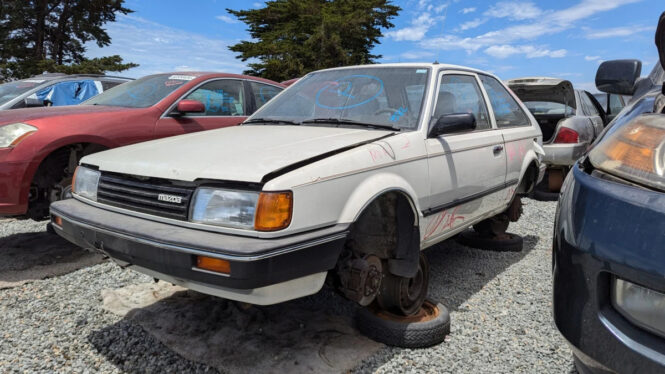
(567, 135)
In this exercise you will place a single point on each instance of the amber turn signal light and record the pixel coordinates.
(213, 264)
(273, 211)
(57, 220)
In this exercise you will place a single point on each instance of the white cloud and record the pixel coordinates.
(417, 30)
(617, 32)
(548, 23)
(467, 10)
(134, 39)
(258, 5)
(416, 55)
(227, 19)
(529, 51)
(472, 24)
(592, 58)
(514, 10)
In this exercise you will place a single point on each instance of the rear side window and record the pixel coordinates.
(263, 93)
(106, 85)
(461, 94)
(222, 97)
(589, 108)
(506, 110)
(615, 104)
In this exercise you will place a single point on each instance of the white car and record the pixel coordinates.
(347, 175)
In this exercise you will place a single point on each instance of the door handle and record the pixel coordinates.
(497, 149)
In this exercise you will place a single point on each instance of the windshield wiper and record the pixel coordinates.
(343, 121)
(270, 120)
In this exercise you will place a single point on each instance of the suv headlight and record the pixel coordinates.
(11, 135)
(85, 182)
(635, 152)
(262, 211)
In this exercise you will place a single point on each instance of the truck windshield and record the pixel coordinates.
(11, 90)
(373, 97)
(141, 93)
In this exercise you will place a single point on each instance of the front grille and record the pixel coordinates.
(132, 193)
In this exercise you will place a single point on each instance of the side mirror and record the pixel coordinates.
(618, 76)
(452, 123)
(34, 103)
(660, 39)
(190, 106)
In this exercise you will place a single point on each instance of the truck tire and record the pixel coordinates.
(425, 329)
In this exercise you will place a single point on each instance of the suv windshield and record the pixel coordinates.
(141, 93)
(10, 90)
(374, 97)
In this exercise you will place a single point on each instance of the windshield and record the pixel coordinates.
(379, 96)
(141, 93)
(548, 107)
(11, 90)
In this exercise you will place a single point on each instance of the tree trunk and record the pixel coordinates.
(41, 12)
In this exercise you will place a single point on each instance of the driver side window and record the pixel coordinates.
(461, 94)
(223, 97)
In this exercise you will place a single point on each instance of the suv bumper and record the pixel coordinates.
(604, 229)
(14, 185)
(262, 271)
(563, 154)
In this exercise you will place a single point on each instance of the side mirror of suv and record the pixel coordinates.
(618, 76)
(660, 39)
(189, 106)
(452, 123)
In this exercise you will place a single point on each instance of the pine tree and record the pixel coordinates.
(294, 37)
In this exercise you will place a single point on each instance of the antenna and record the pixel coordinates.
(443, 24)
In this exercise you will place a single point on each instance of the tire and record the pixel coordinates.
(425, 329)
(507, 243)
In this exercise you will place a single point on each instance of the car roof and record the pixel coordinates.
(433, 65)
(210, 74)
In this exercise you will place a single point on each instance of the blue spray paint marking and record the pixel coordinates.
(350, 100)
(398, 114)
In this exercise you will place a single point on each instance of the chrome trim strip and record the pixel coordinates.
(200, 252)
(194, 268)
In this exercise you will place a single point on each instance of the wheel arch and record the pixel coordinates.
(529, 173)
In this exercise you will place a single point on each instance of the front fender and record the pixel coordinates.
(373, 187)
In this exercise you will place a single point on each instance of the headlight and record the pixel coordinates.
(635, 152)
(264, 211)
(642, 306)
(11, 135)
(85, 182)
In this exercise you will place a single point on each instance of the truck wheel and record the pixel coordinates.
(506, 242)
(424, 329)
(404, 296)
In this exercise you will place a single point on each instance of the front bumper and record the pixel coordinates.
(263, 271)
(563, 154)
(605, 229)
(14, 185)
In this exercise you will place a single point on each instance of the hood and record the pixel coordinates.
(240, 153)
(544, 89)
(31, 114)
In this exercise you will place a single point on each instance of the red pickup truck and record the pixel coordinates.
(40, 147)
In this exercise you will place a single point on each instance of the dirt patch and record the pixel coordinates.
(293, 337)
(25, 257)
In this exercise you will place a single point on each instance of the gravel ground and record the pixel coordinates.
(500, 306)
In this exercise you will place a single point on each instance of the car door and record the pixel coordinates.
(465, 168)
(514, 125)
(225, 105)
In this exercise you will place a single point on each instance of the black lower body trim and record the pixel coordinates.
(464, 200)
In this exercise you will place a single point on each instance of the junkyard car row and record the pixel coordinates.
(344, 177)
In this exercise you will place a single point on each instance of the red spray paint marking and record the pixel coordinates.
(443, 221)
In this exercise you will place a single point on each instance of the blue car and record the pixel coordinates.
(609, 237)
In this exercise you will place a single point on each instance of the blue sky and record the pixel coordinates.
(563, 38)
